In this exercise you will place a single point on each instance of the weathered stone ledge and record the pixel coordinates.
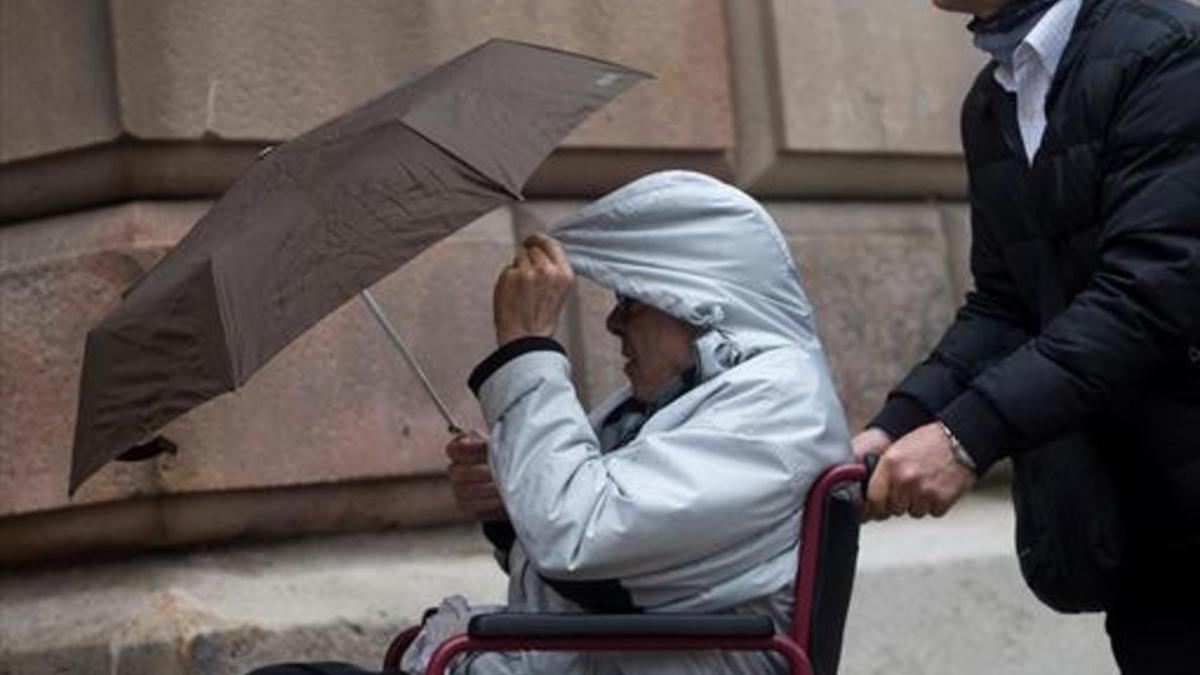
(130, 169)
(135, 525)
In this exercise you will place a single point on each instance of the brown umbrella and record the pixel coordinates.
(319, 219)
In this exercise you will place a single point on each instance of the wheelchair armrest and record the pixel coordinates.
(517, 625)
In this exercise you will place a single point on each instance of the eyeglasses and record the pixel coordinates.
(626, 304)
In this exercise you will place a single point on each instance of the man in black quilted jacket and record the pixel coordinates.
(1078, 352)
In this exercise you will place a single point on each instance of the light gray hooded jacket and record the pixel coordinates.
(700, 512)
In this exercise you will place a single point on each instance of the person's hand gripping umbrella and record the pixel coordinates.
(319, 219)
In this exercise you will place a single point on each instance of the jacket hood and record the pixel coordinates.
(702, 251)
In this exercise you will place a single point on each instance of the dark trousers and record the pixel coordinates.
(1155, 624)
(1151, 643)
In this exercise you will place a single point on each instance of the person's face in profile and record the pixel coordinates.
(656, 345)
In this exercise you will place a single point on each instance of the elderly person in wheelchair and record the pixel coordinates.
(682, 492)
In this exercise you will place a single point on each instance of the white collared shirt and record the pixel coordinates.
(1032, 69)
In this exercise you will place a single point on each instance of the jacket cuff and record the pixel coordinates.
(981, 431)
(900, 415)
(508, 352)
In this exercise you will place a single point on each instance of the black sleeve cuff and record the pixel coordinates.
(507, 353)
(900, 415)
(500, 533)
(983, 433)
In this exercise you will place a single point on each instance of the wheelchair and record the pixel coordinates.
(824, 581)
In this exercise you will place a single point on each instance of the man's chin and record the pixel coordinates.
(951, 6)
(966, 7)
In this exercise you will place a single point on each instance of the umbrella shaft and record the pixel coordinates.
(455, 428)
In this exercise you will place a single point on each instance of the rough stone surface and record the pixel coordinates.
(56, 77)
(269, 70)
(336, 405)
(57, 279)
(849, 98)
(864, 76)
(272, 69)
(878, 280)
(932, 597)
(170, 99)
(833, 98)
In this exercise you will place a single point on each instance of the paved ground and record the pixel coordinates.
(931, 597)
(946, 596)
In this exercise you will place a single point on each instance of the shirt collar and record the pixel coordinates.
(1046, 42)
(1050, 36)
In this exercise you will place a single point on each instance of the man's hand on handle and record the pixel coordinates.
(471, 478)
(870, 440)
(916, 475)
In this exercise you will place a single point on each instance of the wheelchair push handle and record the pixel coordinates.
(870, 461)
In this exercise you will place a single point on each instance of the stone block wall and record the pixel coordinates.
(121, 122)
(855, 99)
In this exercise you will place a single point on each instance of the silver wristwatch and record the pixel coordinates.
(960, 453)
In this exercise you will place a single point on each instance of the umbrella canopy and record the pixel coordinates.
(320, 218)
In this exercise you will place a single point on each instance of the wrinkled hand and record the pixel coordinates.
(917, 475)
(872, 439)
(471, 478)
(530, 294)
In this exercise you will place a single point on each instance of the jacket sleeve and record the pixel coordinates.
(991, 324)
(1141, 307)
(666, 499)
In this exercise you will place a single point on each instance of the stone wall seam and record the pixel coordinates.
(753, 56)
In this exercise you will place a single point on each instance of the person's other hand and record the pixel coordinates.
(871, 439)
(471, 478)
(530, 294)
(918, 475)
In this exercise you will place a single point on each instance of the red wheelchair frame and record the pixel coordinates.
(824, 581)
